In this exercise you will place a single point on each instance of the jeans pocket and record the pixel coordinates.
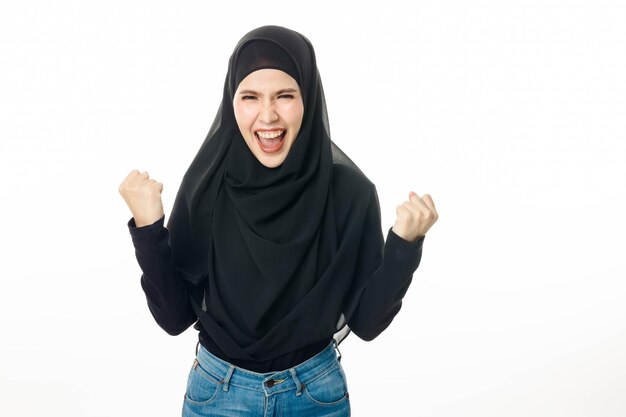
(330, 388)
(202, 387)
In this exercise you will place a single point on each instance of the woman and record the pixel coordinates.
(274, 246)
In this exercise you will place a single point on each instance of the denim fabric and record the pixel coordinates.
(316, 387)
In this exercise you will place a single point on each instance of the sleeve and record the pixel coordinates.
(393, 269)
(166, 293)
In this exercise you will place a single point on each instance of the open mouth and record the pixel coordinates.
(270, 140)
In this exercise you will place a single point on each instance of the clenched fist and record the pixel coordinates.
(415, 217)
(143, 197)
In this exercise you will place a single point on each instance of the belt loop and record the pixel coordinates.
(296, 381)
(226, 379)
(337, 348)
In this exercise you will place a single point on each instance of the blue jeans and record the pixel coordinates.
(316, 387)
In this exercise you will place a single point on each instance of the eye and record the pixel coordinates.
(248, 97)
(286, 96)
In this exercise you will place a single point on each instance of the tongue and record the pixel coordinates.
(270, 143)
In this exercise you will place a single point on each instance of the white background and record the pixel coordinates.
(510, 114)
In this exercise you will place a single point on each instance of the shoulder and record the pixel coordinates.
(354, 200)
(348, 178)
(350, 183)
(353, 194)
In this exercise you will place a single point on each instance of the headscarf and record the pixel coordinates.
(270, 265)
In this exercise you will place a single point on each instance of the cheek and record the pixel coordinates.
(295, 114)
(244, 117)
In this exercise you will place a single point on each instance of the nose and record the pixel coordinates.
(268, 114)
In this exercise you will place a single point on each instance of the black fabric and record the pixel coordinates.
(169, 298)
(259, 54)
(278, 259)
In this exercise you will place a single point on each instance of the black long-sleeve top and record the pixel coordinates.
(169, 302)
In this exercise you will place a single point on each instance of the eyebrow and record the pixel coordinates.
(279, 92)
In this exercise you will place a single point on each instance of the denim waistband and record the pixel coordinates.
(294, 378)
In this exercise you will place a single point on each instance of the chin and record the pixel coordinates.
(271, 162)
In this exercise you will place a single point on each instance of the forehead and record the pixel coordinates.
(267, 79)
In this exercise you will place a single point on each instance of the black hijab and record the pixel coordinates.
(271, 266)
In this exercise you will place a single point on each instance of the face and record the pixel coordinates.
(269, 109)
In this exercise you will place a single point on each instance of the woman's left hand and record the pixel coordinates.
(415, 217)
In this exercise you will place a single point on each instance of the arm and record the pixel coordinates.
(166, 293)
(382, 298)
(386, 268)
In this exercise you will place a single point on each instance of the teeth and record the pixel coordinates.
(270, 135)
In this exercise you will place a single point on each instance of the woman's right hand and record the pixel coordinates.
(143, 197)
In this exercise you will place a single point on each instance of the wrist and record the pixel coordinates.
(146, 221)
